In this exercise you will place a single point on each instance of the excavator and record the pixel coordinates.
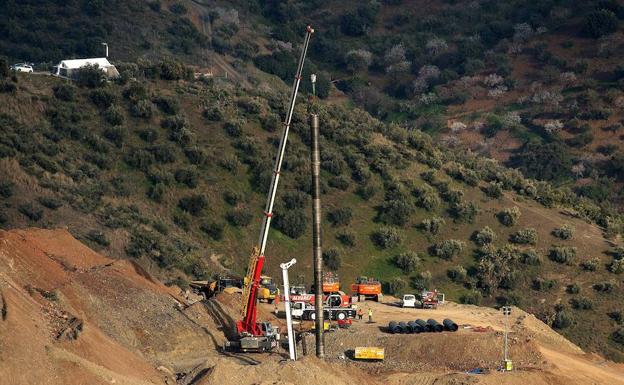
(254, 336)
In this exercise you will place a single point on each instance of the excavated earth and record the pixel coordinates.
(69, 315)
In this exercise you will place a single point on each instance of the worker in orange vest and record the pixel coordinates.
(360, 313)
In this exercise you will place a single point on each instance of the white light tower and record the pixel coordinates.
(106, 47)
(289, 325)
(507, 363)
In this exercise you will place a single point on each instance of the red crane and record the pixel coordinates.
(254, 335)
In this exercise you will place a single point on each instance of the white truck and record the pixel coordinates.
(306, 311)
(408, 300)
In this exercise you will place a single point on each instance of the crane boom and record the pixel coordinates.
(248, 324)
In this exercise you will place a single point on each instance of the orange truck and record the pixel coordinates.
(331, 283)
(367, 288)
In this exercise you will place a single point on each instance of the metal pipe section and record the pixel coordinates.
(393, 327)
(414, 327)
(435, 326)
(404, 328)
(316, 233)
(289, 324)
(450, 325)
(424, 325)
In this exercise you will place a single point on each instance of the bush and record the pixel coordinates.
(617, 266)
(142, 109)
(156, 192)
(483, 237)
(386, 237)
(617, 252)
(214, 114)
(213, 229)
(103, 98)
(590, 264)
(562, 254)
(581, 303)
(618, 336)
(234, 128)
(573, 288)
(366, 191)
(90, 76)
(564, 232)
(167, 105)
(339, 182)
(448, 249)
(171, 69)
(526, 236)
(473, 297)
(50, 202)
(465, 212)
(493, 190)
(531, 257)
(239, 217)
(346, 237)
(603, 287)
(421, 281)
(6, 189)
(562, 319)
(341, 216)
(457, 274)
(64, 92)
(187, 176)
(397, 286)
(599, 23)
(509, 217)
(193, 204)
(31, 211)
(98, 237)
(233, 197)
(292, 223)
(332, 259)
(617, 316)
(114, 116)
(408, 261)
(432, 225)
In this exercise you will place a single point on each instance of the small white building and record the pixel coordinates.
(66, 68)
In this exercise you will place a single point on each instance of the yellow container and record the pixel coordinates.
(369, 353)
(508, 365)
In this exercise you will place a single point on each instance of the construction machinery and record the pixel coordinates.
(367, 288)
(431, 299)
(210, 288)
(268, 290)
(254, 335)
(306, 311)
(331, 282)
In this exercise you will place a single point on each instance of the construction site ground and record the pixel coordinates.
(72, 316)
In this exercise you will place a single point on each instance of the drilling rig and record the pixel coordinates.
(254, 335)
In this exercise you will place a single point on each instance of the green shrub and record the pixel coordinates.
(64, 92)
(188, 177)
(573, 288)
(182, 220)
(562, 254)
(156, 192)
(234, 128)
(494, 190)
(526, 236)
(171, 69)
(421, 281)
(103, 98)
(464, 212)
(448, 249)
(408, 261)
(292, 223)
(562, 319)
(229, 162)
(346, 237)
(167, 105)
(457, 274)
(98, 237)
(483, 237)
(114, 116)
(161, 227)
(332, 259)
(599, 23)
(617, 316)
(31, 211)
(341, 216)
(366, 191)
(233, 197)
(193, 204)
(531, 257)
(473, 297)
(50, 202)
(564, 232)
(509, 216)
(590, 264)
(618, 336)
(386, 237)
(213, 229)
(603, 287)
(617, 266)
(432, 225)
(397, 286)
(195, 155)
(581, 303)
(239, 217)
(148, 135)
(214, 114)
(6, 189)
(340, 182)
(142, 109)
(90, 76)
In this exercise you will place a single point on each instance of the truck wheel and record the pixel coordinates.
(341, 316)
(313, 316)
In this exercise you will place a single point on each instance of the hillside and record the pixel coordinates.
(73, 316)
(172, 174)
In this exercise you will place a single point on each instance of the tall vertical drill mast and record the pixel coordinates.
(249, 324)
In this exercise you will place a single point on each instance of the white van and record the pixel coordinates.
(408, 300)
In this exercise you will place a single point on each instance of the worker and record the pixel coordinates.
(360, 313)
(370, 315)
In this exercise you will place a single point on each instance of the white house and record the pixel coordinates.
(66, 68)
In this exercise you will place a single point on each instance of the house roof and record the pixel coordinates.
(102, 62)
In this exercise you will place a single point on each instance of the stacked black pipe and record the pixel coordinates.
(422, 326)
